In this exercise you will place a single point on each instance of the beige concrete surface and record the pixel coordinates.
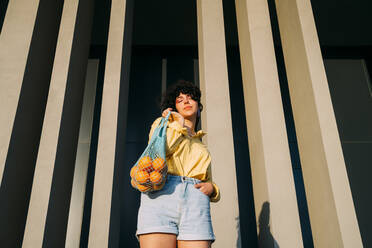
(15, 40)
(272, 177)
(330, 202)
(216, 120)
(103, 180)
(76, 211)
(38, 208)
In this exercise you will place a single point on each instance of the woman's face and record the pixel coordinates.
(186, 106)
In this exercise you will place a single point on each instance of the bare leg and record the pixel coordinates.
(158, 240)
(194, 244)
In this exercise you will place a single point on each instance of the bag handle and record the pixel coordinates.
(164, 120)
(159, 129)
(163, 124)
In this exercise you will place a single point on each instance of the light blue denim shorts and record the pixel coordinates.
(177, 208)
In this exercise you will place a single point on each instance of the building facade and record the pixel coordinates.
(287, 101)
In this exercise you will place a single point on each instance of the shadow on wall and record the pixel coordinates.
(239, 239)
(265, 238)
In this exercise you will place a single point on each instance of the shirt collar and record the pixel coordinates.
(200, 134)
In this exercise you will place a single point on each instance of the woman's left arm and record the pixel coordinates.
(209, 187)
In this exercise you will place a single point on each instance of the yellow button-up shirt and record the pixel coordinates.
(187, 156)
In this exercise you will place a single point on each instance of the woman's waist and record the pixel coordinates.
(199, 175)
(176, 178)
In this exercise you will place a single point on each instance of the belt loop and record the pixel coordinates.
(182, 179)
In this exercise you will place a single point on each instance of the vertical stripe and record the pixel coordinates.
(15, 41)
(216, 119)
(105, 215)
(273, 185)
(48, 209)
(17, 176)
(331, 208)
(75, 217)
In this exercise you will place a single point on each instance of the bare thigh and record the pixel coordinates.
(158, 240)
(194, 244)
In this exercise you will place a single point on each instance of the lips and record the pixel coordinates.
(187, 107)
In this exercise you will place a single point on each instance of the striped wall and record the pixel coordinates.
(47, 94)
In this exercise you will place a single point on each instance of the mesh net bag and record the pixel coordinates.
(150, 171)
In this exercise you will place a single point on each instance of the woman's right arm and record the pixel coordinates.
(175, 116)
(175, 133)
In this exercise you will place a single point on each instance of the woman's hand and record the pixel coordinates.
(174, 116)
(206, 188)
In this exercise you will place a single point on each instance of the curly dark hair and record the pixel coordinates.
(184, 87)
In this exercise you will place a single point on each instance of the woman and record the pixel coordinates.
(178, 215)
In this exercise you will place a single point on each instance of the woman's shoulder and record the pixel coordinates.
(156, 121)
(170, 124)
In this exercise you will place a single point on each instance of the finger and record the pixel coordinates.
(199, 185)
(165, 112)
(205, 192)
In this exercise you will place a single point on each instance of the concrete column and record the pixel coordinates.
(48, 210)
(331, 209)
(273, 184)
(216, 119)
(75, 217)
(105, 214)
(27, 48)
(15, 40)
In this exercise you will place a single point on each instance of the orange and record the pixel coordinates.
(158, 164)
(145, 164)
(133, 171)
(143, 188)
(142, 177)
(134, 184)
(156, 177)
(158, 187)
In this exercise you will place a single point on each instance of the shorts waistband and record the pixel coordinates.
(183, 179)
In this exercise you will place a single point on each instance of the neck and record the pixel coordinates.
(190, 125)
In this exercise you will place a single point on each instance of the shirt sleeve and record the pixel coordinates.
(216, 195)
(175, 134)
